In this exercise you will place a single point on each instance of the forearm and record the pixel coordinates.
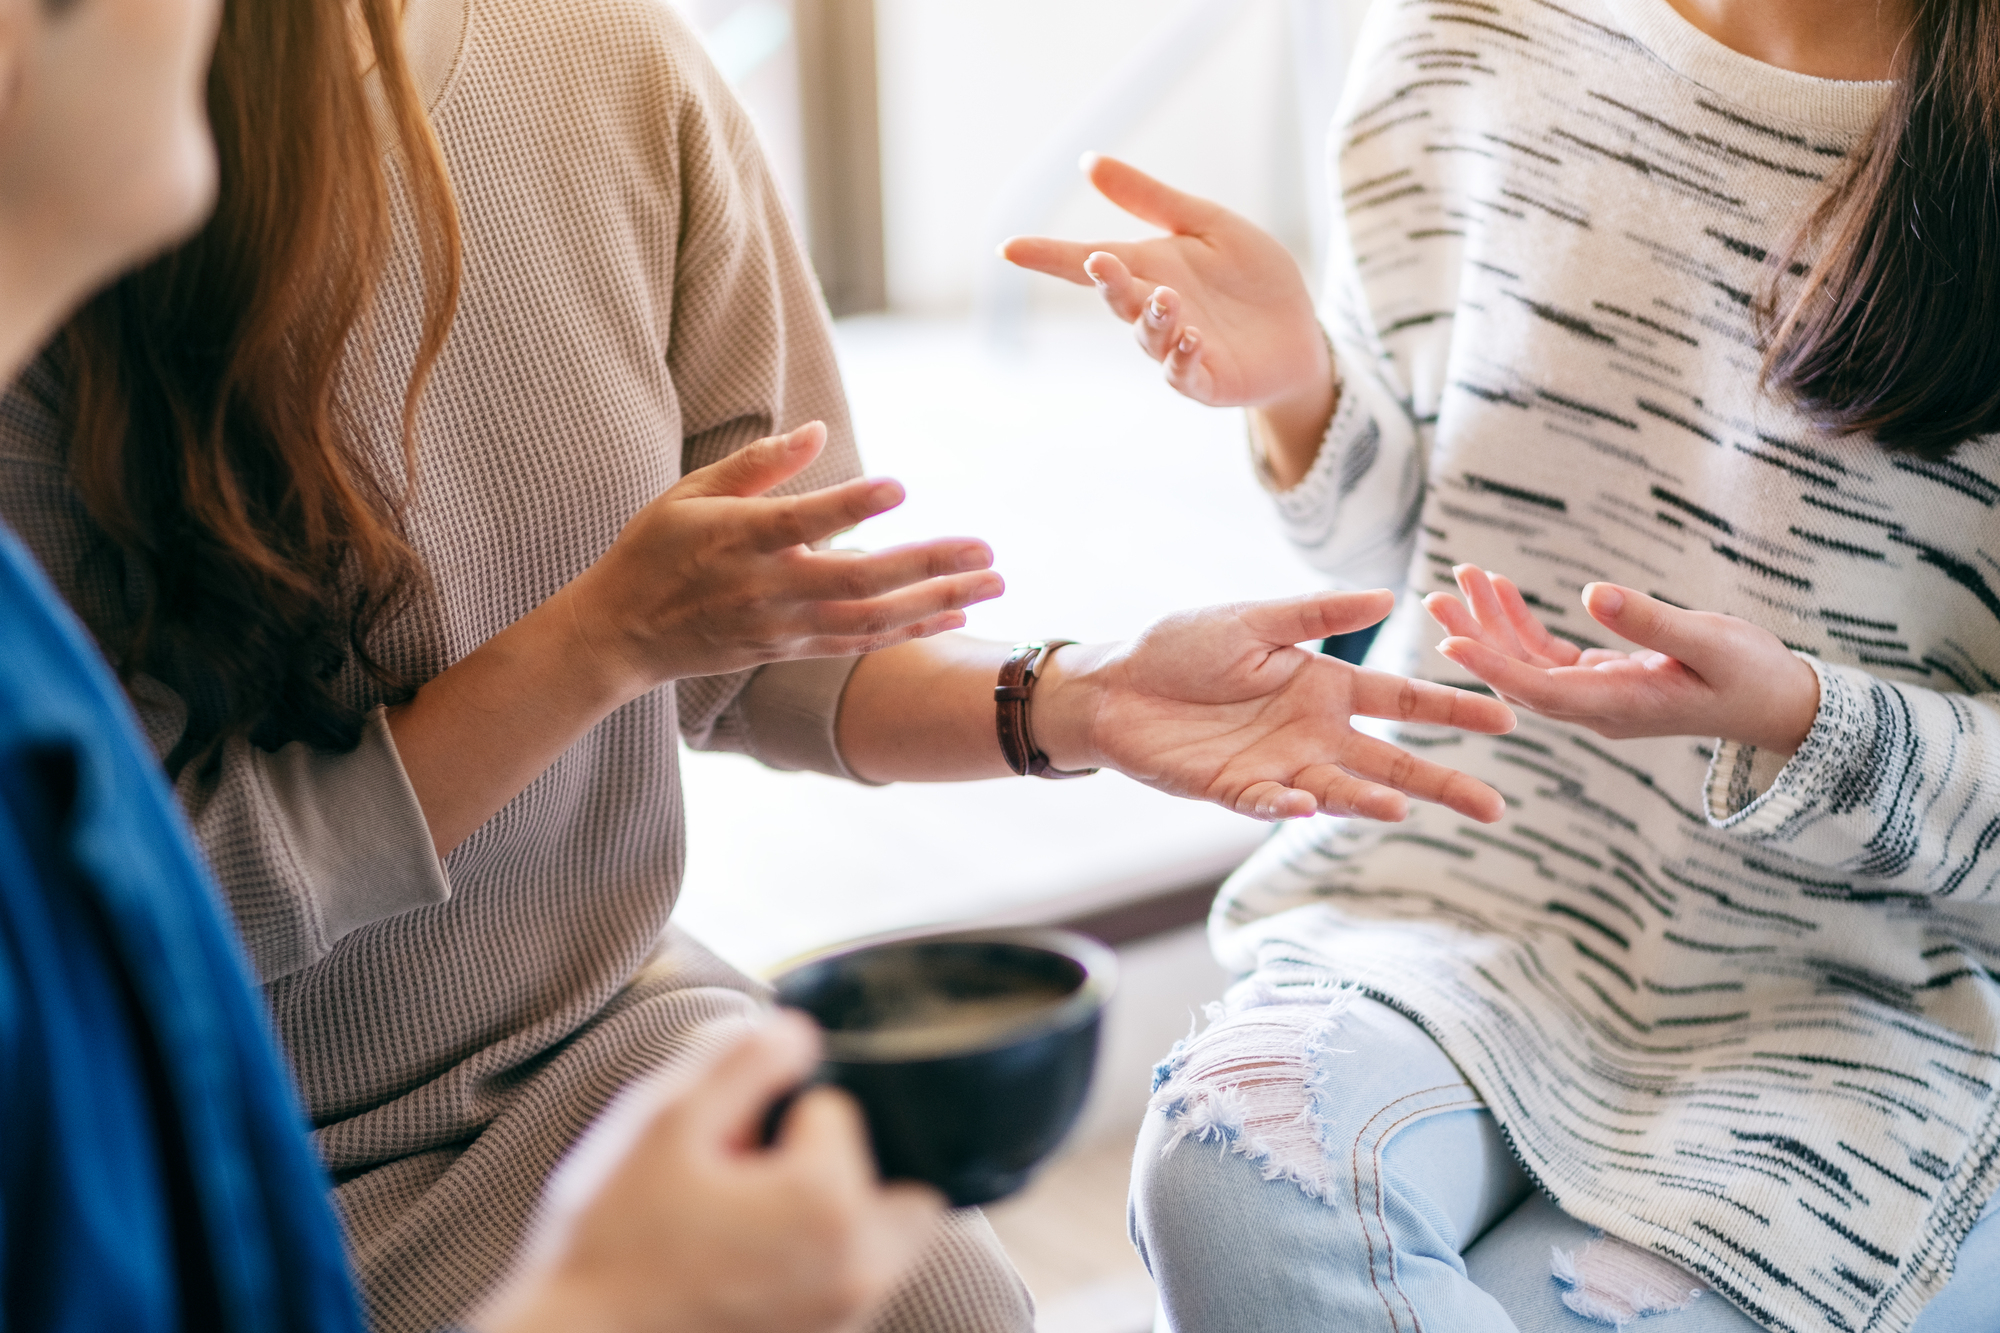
(924, 711)
(477, 734)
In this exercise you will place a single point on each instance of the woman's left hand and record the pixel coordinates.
(1221, 705)
(1696, 673)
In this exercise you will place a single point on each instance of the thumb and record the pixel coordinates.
(756, 467)
(1294, 620)
(726, 1107)
(1148, 199)
(1650, 622)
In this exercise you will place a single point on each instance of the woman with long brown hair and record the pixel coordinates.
(456, 470)
(1680, 313)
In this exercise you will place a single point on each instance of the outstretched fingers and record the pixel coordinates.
(1380, 694)
(1051, 255)
(1123, 293)
(1187, 372)
(1340, 792)
(1451, 615)
(1159, 326)
(1496, 626)
(801, 520)
(1292, 620)
(1557, 692)
(886, 619)
(1378, 761)
(1148, 198)
(849, 575)
(1274, 801)
(757, 466)
(1534, 634)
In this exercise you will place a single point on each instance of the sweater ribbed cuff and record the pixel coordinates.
(1741, 794)
(1306, 503)
(356, 831)
(790, 710)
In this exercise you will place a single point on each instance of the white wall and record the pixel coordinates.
(970, 91)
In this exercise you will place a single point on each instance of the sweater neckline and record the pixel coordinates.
(434, 33)
(433, 37)
(1834, 106)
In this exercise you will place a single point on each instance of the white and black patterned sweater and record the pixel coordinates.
(1738, 1010)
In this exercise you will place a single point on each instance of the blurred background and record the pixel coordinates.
(910, 138)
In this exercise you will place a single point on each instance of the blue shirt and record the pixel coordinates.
(154, 1167)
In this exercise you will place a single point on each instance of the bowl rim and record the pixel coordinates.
(1100, 980)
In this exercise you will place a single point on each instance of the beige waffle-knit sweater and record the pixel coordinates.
(634, 306)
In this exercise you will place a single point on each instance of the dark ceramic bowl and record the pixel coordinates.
(970, 1052)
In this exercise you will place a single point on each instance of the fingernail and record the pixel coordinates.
(1187, 342)
(1091, 274)
(1607, 599)
(970, 560)
(1157, 311)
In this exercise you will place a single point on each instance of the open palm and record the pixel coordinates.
(1218, 301)
(1695, 673)
(1219, 705)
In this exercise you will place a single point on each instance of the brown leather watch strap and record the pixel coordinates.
(1011, 700)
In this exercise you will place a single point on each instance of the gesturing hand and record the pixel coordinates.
(1696, 673)
(1218, 301)
(714, 576)
(670, 1215)
(1220, 705)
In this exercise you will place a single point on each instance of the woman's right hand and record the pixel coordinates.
(1219, 302)
(717, 576)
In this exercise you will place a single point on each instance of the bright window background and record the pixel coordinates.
(1108, 499)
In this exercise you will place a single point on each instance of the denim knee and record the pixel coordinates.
(1261, 1194)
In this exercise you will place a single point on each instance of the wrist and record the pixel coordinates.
(1782, 728)
(1288, 431)
(1068, 693)
(602, 664)
(1795, 719)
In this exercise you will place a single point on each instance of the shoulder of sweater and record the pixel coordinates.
(622, 33)
(631, 69)
(31, 417)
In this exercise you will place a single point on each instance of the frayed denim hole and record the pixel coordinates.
(1614, 1282)
(1243, 1083)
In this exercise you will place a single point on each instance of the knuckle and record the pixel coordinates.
(854, 583)
(788, 524)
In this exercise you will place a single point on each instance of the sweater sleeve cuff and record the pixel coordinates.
(1306, 499)
(356, 831)
(1755, 794)
(790, 710)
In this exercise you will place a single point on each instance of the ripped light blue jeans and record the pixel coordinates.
(1414, 1219)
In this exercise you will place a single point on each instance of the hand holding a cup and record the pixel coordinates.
(672, 1212)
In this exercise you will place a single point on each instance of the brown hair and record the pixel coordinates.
(202, 392)
(1892, 331)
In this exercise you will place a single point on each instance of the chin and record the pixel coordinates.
(173, 200)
